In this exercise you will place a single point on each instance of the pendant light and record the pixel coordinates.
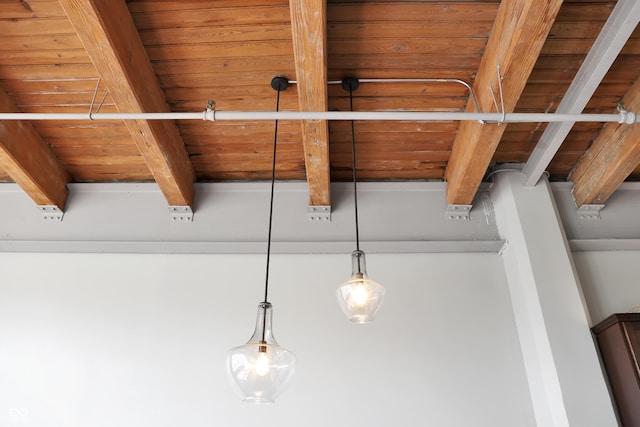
(260, 369)
(359, 297)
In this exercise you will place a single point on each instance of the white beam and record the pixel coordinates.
(605, 50)
(233, 218)
(553, 325)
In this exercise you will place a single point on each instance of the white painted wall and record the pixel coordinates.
(609, 281)
(140, 340)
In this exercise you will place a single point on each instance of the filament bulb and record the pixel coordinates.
(263, 364)
(360, 294)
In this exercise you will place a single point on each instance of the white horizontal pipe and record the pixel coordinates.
(415, 116)
(102, 116)
(213, 115)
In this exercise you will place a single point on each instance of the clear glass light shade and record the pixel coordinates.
(360, 297)
(261, 369)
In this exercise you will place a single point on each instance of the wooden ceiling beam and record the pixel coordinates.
(109, 35)
(610, 159)
(605, 50)
(309, 32)
(29, 161)
(520, 30)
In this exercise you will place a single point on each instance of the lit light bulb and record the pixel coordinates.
(263, 364)
(360, 294)
(360, 297)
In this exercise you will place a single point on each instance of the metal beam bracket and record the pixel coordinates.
(458, 212)
(51, 213)
(319, 213)
(180, 213)
(589, 211)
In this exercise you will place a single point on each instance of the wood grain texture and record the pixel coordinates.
(27, 159)
(309, 32)
(519, 32)
(228, 51)
(111, 39)
(612, 157)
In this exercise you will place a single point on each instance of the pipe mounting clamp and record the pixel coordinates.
(627, 117)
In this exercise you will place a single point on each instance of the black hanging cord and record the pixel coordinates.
(351, 84)
(278, 84)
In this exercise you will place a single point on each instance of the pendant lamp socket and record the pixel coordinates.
(279, 83)
(350, 83)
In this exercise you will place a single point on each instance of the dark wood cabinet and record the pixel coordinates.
(618, 337)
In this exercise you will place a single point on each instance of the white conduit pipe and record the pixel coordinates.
(213, 115)
(409, 80)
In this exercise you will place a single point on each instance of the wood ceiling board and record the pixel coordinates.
(224, 51)
(86, 86)
(412, 11)
(89, 145)
(612, 157)
(58, 71)
(31, 9)
(151, 6)
(111, 40)
(247, 149)
(109, 159)
(344, 126)
(309, 33)
(407, 30)
(32, 26)
(205, 81)
(401, 65)
(107, 173)
(61, 99)
(246, 93)
(208, 15)
(419, 171)
(401, 89)
(238, 128)
(82, 129)
(375, 157)
(390, 138)
(216, 34)
(469, 46)
(25, 157)
(235, 104)
(401, 103)
(248, 175)
(50, 44)
(520, 30)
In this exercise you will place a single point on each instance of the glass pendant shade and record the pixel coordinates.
(360, 297)
(261, 369)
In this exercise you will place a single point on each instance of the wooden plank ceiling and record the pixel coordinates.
(159, 56)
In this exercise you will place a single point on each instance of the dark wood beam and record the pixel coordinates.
(519, 32)
(108, 34)
(29, 161)
(614, 154)
(309, 32)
